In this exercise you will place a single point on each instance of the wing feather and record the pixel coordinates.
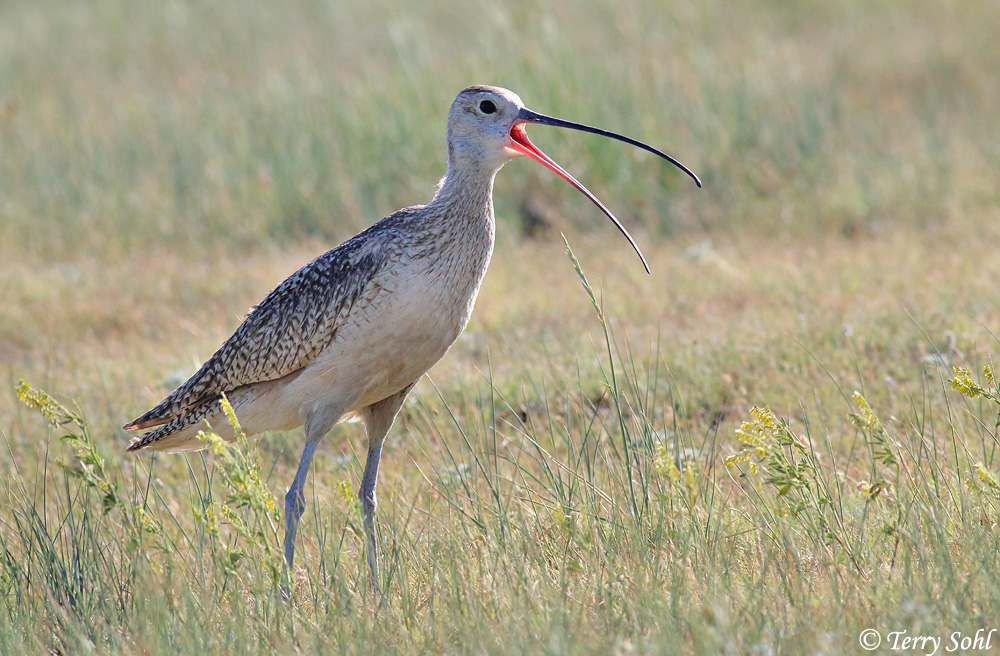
(289, 328)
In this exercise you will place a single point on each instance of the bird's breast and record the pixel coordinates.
(401, 326)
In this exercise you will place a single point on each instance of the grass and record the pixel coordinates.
(744, 452)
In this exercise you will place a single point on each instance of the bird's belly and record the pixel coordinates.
(387, 346)
(400, 354)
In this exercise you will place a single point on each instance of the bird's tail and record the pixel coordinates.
(180, 433)
(154, 417)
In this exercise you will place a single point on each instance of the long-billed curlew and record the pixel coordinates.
(350, 333)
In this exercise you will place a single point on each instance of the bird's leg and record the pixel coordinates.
(378, 419)
(295, 503)
(318, 423)
(368, 503)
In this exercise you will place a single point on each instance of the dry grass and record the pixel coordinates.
(164, 166)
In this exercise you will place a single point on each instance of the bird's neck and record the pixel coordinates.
(464, 198)
(461, 218)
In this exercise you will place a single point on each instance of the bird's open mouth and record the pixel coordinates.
(519, 144)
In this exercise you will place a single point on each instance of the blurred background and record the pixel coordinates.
(235, 125)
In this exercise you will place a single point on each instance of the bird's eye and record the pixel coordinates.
(487, 107)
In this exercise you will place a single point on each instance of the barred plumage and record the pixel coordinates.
(288, 329)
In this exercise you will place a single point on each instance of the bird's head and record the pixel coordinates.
(486, 129)
(479, 125)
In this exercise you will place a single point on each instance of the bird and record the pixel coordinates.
(347, 336)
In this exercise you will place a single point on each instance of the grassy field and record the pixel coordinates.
(570, 478)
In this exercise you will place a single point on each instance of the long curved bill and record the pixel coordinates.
(520, 144)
